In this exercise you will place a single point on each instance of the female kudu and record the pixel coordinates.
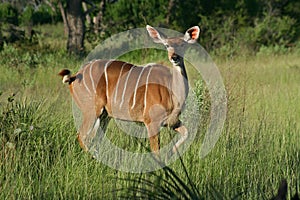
(153, 94)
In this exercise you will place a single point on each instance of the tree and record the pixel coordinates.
(76, 27)
(99, 18)
(74, 17)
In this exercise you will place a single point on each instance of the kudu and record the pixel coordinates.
(152, 94)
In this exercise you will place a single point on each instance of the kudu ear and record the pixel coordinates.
(155, 35)
(192, 34)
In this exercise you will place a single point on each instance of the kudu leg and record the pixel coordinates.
(90, 125)
(153, 134)
(182, 130)
(104, 120)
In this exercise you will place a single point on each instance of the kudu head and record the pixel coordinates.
(176, 46)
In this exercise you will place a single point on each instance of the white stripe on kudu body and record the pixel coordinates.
(106, 76)
(125, 86)
(84, 82)
(146, 90)
(136, 86)
(91, 77)
(117, 87)
(151, 94)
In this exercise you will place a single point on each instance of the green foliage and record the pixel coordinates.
(185, 14)
(41, 15)
(226, 26)
(124, 15)
(270, 31)
(18, 121)
(13, 21)
(272, 50)
(218, 36)
(16, 58)
(45, 15)
(8, 14)
(202, 97)
(26, 17)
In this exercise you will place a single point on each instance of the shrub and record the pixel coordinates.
(41, 15)
(269, 31)
(8, 14)
(17, 121)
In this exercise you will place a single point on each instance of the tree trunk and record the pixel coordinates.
(98, 20)
(1, 39)
(169, 11)
(75, 20)
(63, 15)
(87, 16)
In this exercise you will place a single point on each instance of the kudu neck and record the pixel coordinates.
(181, 67)
(181, 79)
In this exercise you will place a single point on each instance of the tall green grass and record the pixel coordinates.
(41, 159)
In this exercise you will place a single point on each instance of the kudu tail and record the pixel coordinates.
(66, 76)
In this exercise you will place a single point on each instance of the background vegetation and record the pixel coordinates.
(227, 26)
(256, 46)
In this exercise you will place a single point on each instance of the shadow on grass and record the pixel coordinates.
(166, 184)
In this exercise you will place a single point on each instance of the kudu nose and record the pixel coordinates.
(175, 58)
